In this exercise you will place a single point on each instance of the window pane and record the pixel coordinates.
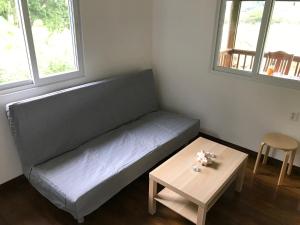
(282, 49)
(53, 37)
(14, 64)
(240, 34)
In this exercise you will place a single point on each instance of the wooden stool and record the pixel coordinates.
(280, 142)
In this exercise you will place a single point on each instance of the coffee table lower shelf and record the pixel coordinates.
(178, 204)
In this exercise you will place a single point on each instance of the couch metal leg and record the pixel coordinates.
(80, 220)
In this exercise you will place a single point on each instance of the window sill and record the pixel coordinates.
(257, 77)
(28, 84)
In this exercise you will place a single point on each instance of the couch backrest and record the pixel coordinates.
(52, 124)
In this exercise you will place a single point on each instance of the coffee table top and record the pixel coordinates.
(201, 187)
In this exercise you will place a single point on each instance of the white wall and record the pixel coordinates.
(231, 107)
(116, 38)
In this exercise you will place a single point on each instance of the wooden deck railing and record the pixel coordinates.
(237, 59)
(244, 59)
(296, 62)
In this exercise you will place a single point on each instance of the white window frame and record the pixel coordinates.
(260, 48)
(36, 80)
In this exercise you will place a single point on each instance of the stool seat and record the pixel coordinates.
(280, 141)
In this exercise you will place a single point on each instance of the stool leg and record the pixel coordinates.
(262, 145)
(266, 155)
(291, 162)
(283, 168)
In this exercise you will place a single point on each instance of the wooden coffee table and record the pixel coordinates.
(189, 193)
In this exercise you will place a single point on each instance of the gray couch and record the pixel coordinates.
(82, 145)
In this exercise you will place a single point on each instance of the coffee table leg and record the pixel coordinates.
(241, 176)
(201, 216)
(152, 193)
